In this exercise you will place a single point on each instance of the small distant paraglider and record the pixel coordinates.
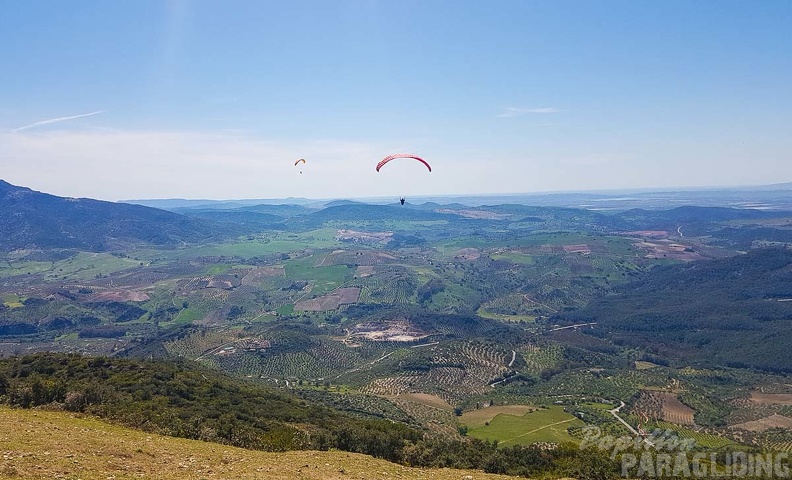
(402, 155)
(301, 160)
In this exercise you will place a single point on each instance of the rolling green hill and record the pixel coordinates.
(185, 401)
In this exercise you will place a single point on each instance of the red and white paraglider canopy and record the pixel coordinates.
(402, 155)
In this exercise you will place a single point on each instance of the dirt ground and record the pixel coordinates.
(119, 296)
(773, 421)
(582, 248)
(675, 411)
(669, 250)
(331, 301)
(394, 331)
(467, 254)
(256, 275)
(772, 398)
(426, 399)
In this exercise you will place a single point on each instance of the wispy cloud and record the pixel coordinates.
(55, 120)
(113, 164)
(591, 160)
(516, 112)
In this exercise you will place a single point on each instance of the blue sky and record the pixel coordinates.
(202, 99)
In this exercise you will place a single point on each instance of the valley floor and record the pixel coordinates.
(41, 444)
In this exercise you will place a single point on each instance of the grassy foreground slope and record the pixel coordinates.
(43, 444)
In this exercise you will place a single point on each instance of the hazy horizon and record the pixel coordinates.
(383, 198)
(201, 100)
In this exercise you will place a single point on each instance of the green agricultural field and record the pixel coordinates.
(512, 307)
(514, 257)
(10, 269)
(642, 365)
(263, 318)
(621, 247)
(85, 266)
(481, 312)
(322, 279)
(545, 425)
(424, 273)
(705, 440)
(12, 301)
(185, 317)
(454, 298)
(218, 269)
(448, 247)
(556, 238)
(602, 406)
(411, 225)
(479, 417)
(67, 337)
(271, 243)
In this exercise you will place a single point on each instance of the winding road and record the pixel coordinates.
(615, 413)
(572, 326)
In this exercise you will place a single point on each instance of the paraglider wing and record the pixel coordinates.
(298, 161)
(402, 155)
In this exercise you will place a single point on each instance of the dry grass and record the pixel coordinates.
(772, 398)
(364, 271)
(257, 275)
(666, 249)
(641, 365)
(773, 421)
(467, 254)
(119, 296)
(40, 444)
(331, 301)
(426, 399)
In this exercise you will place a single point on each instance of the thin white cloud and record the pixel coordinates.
(591, 160)
(56, 120)
(113, 164)
(516, 112)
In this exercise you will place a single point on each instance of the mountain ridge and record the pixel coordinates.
(32, 219)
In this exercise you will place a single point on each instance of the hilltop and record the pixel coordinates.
(41, 444)
(199, 404)
(31, 219)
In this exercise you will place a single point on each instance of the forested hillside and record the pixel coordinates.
(187, 401)
(732, 312)
(32, 219)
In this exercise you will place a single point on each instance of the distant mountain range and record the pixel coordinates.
(30, 219)
(777, 196)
